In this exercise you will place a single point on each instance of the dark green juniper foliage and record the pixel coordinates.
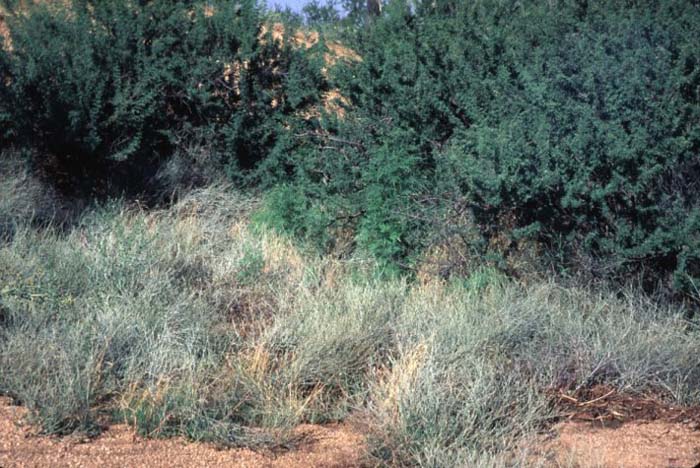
(576, 121)
(590, 133)
(100, 81)
(572, 124)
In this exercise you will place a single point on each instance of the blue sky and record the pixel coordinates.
(295, 5)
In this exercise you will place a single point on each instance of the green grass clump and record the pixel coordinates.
(124, 305)
(184, 321)
(94, 311)
(472, 366)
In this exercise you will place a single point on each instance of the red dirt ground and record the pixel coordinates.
(638, 444)
(335, 446)
(604, 428)
(573, 443)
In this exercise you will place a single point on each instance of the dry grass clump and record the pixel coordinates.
(472, 363)
(161, 319)
(195, 321)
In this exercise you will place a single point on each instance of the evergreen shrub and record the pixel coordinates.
(95, 82)
(571, 124)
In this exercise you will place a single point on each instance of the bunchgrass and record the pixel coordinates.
(185, 321)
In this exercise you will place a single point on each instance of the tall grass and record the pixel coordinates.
(192, 321)
(472, 365)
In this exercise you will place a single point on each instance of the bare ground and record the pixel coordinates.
(604, 428)
(572, 443)
(637, 444)
(336, 446)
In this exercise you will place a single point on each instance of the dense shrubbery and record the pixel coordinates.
(98, 81)
(475, 127)
(571, 124)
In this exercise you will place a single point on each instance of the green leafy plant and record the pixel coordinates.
(571, 126)
(102, 85)
(251, 265)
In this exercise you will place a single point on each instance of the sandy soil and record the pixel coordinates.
(604, 428)
(571, 444)
(653, 444)
(324, 446)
